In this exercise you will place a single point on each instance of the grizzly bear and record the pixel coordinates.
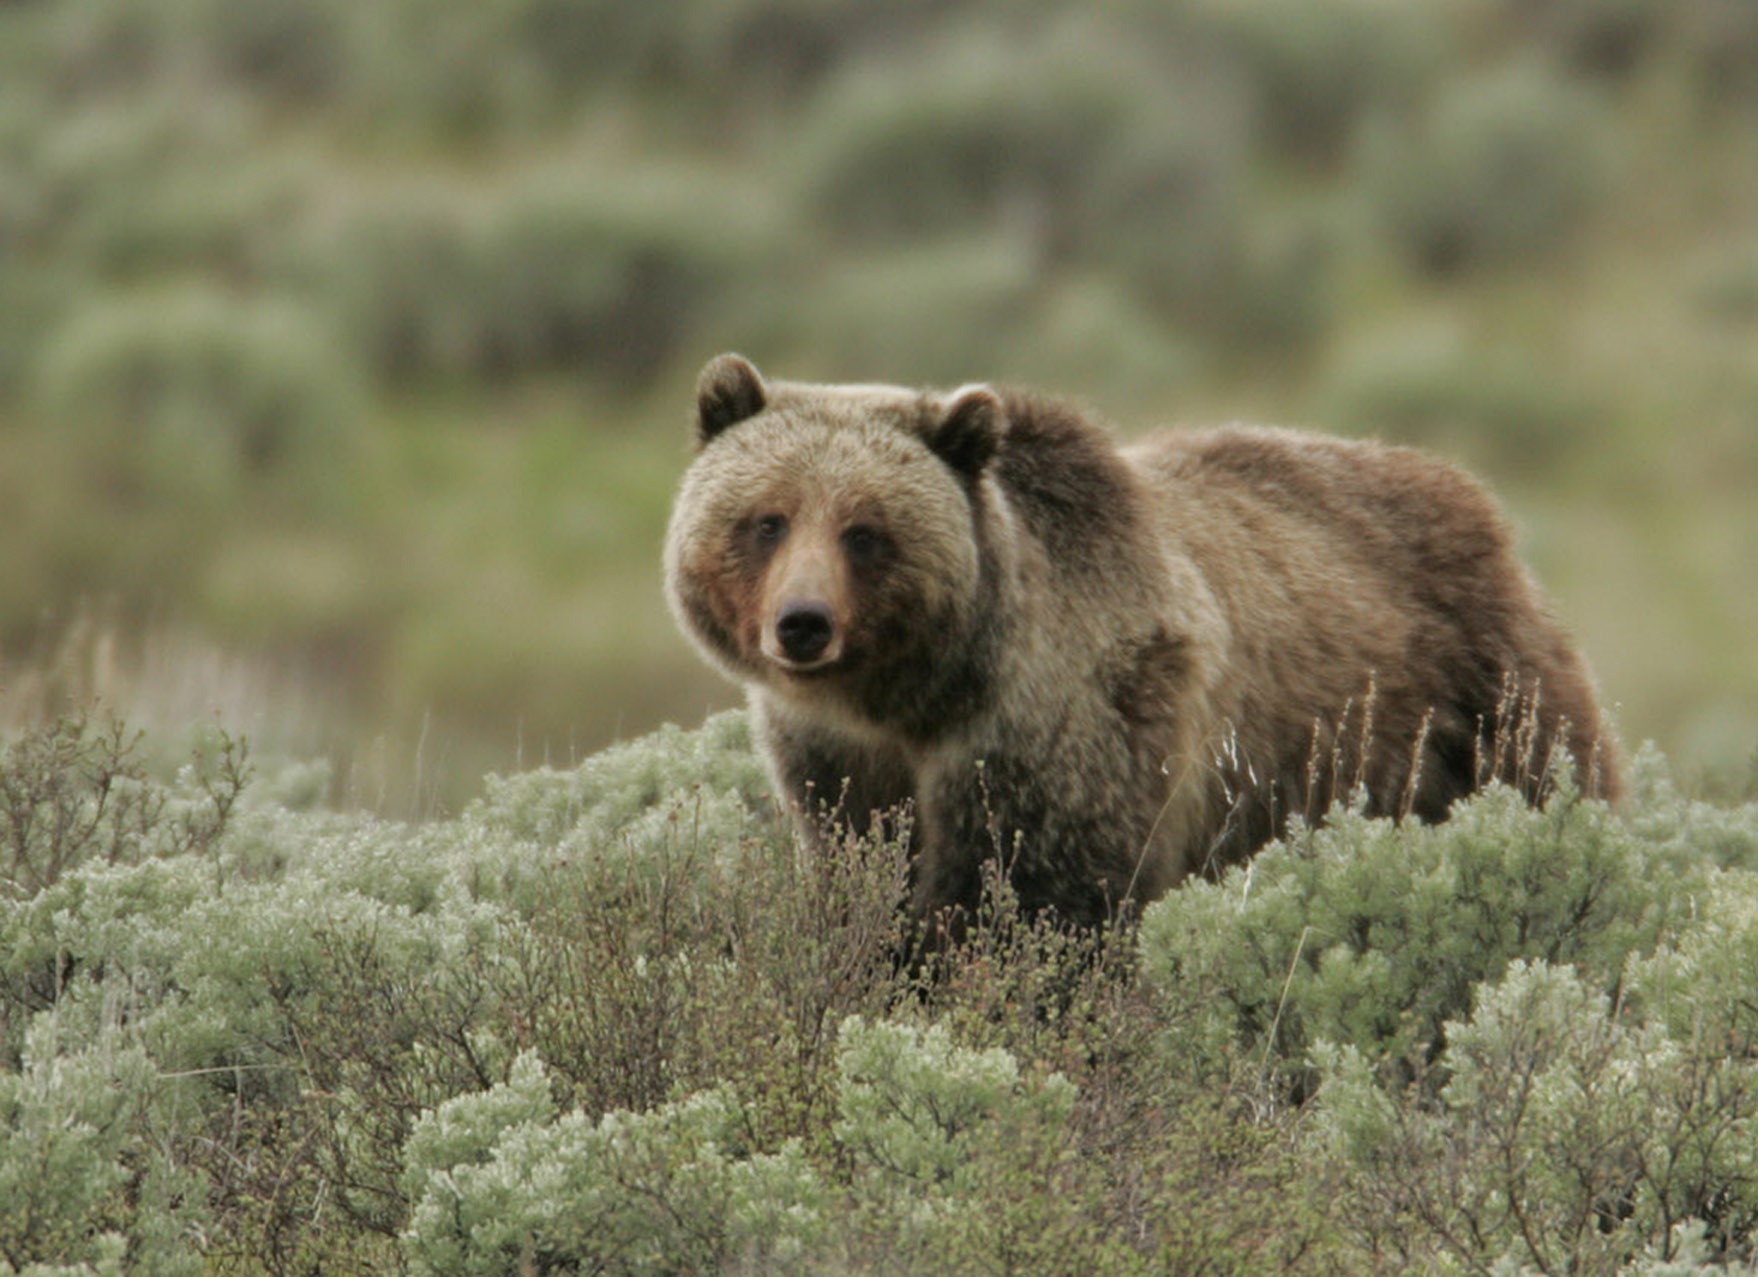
(975, 614)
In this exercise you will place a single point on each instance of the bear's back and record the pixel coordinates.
(1363, 524)
(1351, 569)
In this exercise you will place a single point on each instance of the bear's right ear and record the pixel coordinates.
(969, 430)
(730, 390)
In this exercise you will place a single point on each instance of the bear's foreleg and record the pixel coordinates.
(1072, 843)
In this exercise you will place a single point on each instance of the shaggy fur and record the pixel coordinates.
(1113, 667)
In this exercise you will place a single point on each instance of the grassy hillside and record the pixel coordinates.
(608, 1020)
(344, 350)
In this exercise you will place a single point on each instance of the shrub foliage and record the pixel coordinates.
(612, 1019)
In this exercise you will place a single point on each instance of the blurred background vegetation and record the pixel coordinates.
(346, 349)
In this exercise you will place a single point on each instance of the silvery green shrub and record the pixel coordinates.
(83, 1180)
(77, 791)
(615, 1017)
(623, 790)
(1569, 1135)
(962, 1161)
(937, 1139)
(915, 1105)
(1373, 934)
(500, 1181)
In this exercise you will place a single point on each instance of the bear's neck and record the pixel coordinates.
(951, 685)
(1056, 522)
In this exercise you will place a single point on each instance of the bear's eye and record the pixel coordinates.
(865, 545)
(770, 529)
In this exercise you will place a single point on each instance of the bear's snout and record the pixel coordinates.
(805, 598)
(804, 631)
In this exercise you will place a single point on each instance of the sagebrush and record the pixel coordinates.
(611, 1019)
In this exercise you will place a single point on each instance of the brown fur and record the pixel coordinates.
(1113, 667)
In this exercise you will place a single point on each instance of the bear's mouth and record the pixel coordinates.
(818, 668)
(822, 670)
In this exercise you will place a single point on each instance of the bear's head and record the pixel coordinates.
(826, 542)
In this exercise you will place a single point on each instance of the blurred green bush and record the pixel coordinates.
(195, 399)
(1501, 169)
(1319, 71)
(1498, 408)
(1069, 142)
(603, 279)
(149, 187)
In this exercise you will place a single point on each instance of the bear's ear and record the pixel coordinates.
(729, 391)
(969, 430)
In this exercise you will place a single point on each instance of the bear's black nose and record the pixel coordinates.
(804, 630)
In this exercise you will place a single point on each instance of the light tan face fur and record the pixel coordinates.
(827, 502)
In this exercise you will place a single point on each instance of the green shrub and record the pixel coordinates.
(1720, 41)
(1370, 935)
(93, 194)
(397, 269)
(1282, 296)
(966, 141)
(494, 74)
(1700, 986)
(501, 1183)
(1725, 285)
(300, 1027)
(624, 801)
(295, 51)
(771, 54)
(969, 1159)
(937, 313)
(84, 1184)
(610, 277)
(31, 288)
(1504, 167)
(218, 219)
(31, 300)
(1569, 1135)
(1317, 71)
(1072, 141)
(87, 43)
(1162, 206)
(945, 1142)
(1510, 1068)
(616, 1018)
(1070, 153)
(1503, 408)
(156, 186)
(473, 82)
(572, 49)
(913, 1104)
(690, 940)
(198, 397)
(1090, 330)
(75, 791)
(939, 1140)
(607, 276)
(946, 312)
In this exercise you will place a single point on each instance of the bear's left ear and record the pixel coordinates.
(969, 430)
(729, 390)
